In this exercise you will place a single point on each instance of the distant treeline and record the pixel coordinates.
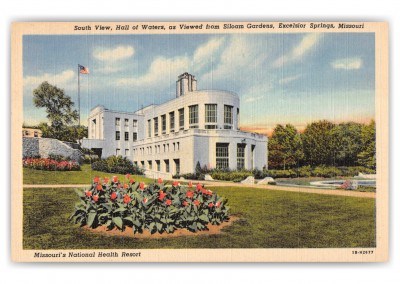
(323, 143)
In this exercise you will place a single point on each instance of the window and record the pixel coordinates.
(126, 152)
(211, 113)
(93, 128)
(117, 152)
(35, 134)
(117, 121)
(193, 116)
(134, 135)
(150, 163)
(166, 165)
(156, 126)
(158, 165)
(126, 122)
(181, 118)
(163, 124)
(228, 119)
(253, 147)
(149, 128)
(222, 154)
(227, 126)
(177, 146)
(177, 166)
(172, 121)
(134, 123)
(212, 126)
(240, 155)
(117, 135)
(126, 136)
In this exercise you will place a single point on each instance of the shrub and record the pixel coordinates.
(354, 171)
(50, 165)
(282, 173)
(235, 176)
(89, 159)
(155, 208)
(304, 171)
(58, 158)
(327, 172)
(118, 165)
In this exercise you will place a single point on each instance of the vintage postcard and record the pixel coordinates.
(200, 142)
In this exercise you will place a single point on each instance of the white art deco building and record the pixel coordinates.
(197, 126)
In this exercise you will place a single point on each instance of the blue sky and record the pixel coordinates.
(280, 78)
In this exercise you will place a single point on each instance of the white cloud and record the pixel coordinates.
(252, 99)
(61, 79)
(289, 79)
(207, 52)
(305, 45)
(160, 69)
(347, 63)
(114, 54)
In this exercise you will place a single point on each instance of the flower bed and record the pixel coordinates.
(50, 165)
(156, 207)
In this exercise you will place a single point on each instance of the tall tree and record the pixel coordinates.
(59, 108)
(318, 143)
(367, 156)
(284, 147)
(347, 143)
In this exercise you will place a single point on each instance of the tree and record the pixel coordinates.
(59, 108)
(284, 147)
(367, 156)
(318, 143)
(346, 143)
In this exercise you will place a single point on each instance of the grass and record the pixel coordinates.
(84, 176)
(268, 219)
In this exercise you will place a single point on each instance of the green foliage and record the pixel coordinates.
(285, 148)
(58, 158)
(282, 173)
(367, 156)
(117, 164)
(63, 132)
(155, 208)
(235, 176)
(326, 172)
(346, 143)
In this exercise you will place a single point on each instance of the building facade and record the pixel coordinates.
(171, 138)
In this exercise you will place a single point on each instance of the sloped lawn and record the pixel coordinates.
(268, 219)
(84, 176)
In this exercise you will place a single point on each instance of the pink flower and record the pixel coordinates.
(95, 198)
(127, 176)
(168, 202)
(127, 198)
(99, 187)
(96, 180)
(132, 180)
(185, 203)
(114, 179)
(125, 186)
(175, 183)
(210, 205)
(189, 194)
(199, 187)
(145, 200)
(196, 202)
(162, 195)
(106, 180)
(218, 204)
(113, 196)
(159, 181)
(88, 193)
(141, 186)
(190, 184)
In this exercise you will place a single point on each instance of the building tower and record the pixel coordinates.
(186, 83)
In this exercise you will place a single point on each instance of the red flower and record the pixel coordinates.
(127, 176)
(196, 202)
(190, 184)
(132, 180)
(99, 187)
(95, 198)
(159, 181)
(175, 183)
(88, 193)
(125, 186)
(141, 186)
(206, 192)
(114, 179)
(127, 198)
(113, 196)
(185, 203)
(96, 180)
(162, 195)
(189, 194)
(168, 202)
(218, 204)
(199, 187)
(210, 205)
(145, 200)
(106, 180)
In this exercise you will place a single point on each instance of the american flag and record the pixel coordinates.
(83, 69)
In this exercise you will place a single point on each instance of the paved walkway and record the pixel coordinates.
(231, 184)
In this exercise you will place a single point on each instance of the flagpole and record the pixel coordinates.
(79, 99)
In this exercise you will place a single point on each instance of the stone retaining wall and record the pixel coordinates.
(32, 146)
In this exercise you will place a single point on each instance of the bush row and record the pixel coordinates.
(118, 165)
(50, 165)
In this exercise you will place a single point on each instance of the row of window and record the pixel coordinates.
(157, 149)
(118, 136)
(126, 123)
(222, 155)
(210, 119)
(166, 165)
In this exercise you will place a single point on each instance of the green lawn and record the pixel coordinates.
(84, 176)
(268, 219)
